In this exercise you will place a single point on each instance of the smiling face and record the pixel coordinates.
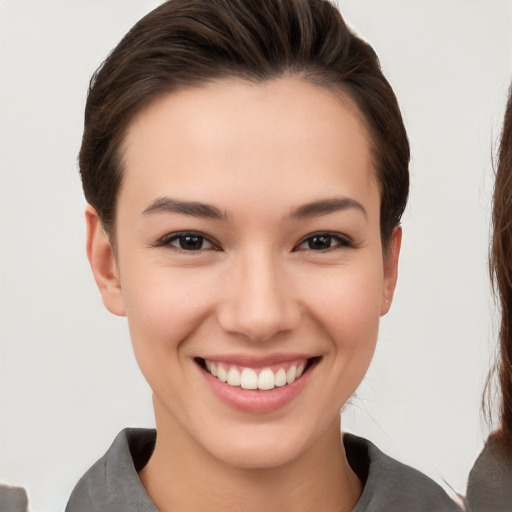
(248, 250)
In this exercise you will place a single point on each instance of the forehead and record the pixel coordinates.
(232, 135)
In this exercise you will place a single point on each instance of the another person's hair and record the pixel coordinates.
(185, 43)
(501, 271)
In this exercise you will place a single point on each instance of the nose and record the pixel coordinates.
(259, 302)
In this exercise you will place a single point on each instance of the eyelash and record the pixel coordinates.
(167, 241)
(340, 241)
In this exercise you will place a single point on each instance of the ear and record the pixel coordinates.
(103, 263)
(391, 270)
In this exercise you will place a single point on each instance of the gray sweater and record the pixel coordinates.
(490, 480)
(112, 484)
(13, 499)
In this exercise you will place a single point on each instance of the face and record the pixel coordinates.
(249, 264)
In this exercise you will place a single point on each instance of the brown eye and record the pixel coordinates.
(319, 243)
(323, 242)
(192, 242)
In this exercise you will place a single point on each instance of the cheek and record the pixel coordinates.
(347, 304)
(164, 306)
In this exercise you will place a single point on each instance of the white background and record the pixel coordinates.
(68, 379)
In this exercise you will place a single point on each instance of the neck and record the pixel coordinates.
(181, 476)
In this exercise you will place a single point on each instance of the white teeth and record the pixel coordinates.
(291, 374)
(233, 377)
(266, 379)
(249, 379)
(212, 368)
(222, 374)
(280, 378)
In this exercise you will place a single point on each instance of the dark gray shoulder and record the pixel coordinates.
(390, 485)
(13, 499)
(112, 483)
(490, 480)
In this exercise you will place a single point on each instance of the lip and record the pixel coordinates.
(251, 361)
(257, 401)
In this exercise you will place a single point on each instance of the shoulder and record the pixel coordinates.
(13, 499)
(490, 480)
(112, 483)
(391, 485)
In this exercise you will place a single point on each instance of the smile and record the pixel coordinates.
(264, 379)
(258, 385)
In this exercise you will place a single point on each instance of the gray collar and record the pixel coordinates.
(113, 485)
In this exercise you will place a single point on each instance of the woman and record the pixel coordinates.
(246, 169)
(490, 480)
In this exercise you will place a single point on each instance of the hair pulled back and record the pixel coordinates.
(185, 43)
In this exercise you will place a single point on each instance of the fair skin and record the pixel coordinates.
(248, 242)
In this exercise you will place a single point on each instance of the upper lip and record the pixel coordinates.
(257, 361)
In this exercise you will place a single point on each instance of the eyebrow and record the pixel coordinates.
(193, 208)
(326, 206)
(198, 209)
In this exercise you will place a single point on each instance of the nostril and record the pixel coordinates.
(258, 304)
(257, 324)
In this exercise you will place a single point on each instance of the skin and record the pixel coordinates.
(258, 285)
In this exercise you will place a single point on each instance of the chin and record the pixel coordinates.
(258, 456)
(262, 447)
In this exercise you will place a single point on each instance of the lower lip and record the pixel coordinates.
(257, 401)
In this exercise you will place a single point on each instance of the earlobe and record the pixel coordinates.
(391, 270)
(103, 263)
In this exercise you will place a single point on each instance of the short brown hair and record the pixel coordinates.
(183, 43)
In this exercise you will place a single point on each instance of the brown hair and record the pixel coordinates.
(500, 264)
(184, 43)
